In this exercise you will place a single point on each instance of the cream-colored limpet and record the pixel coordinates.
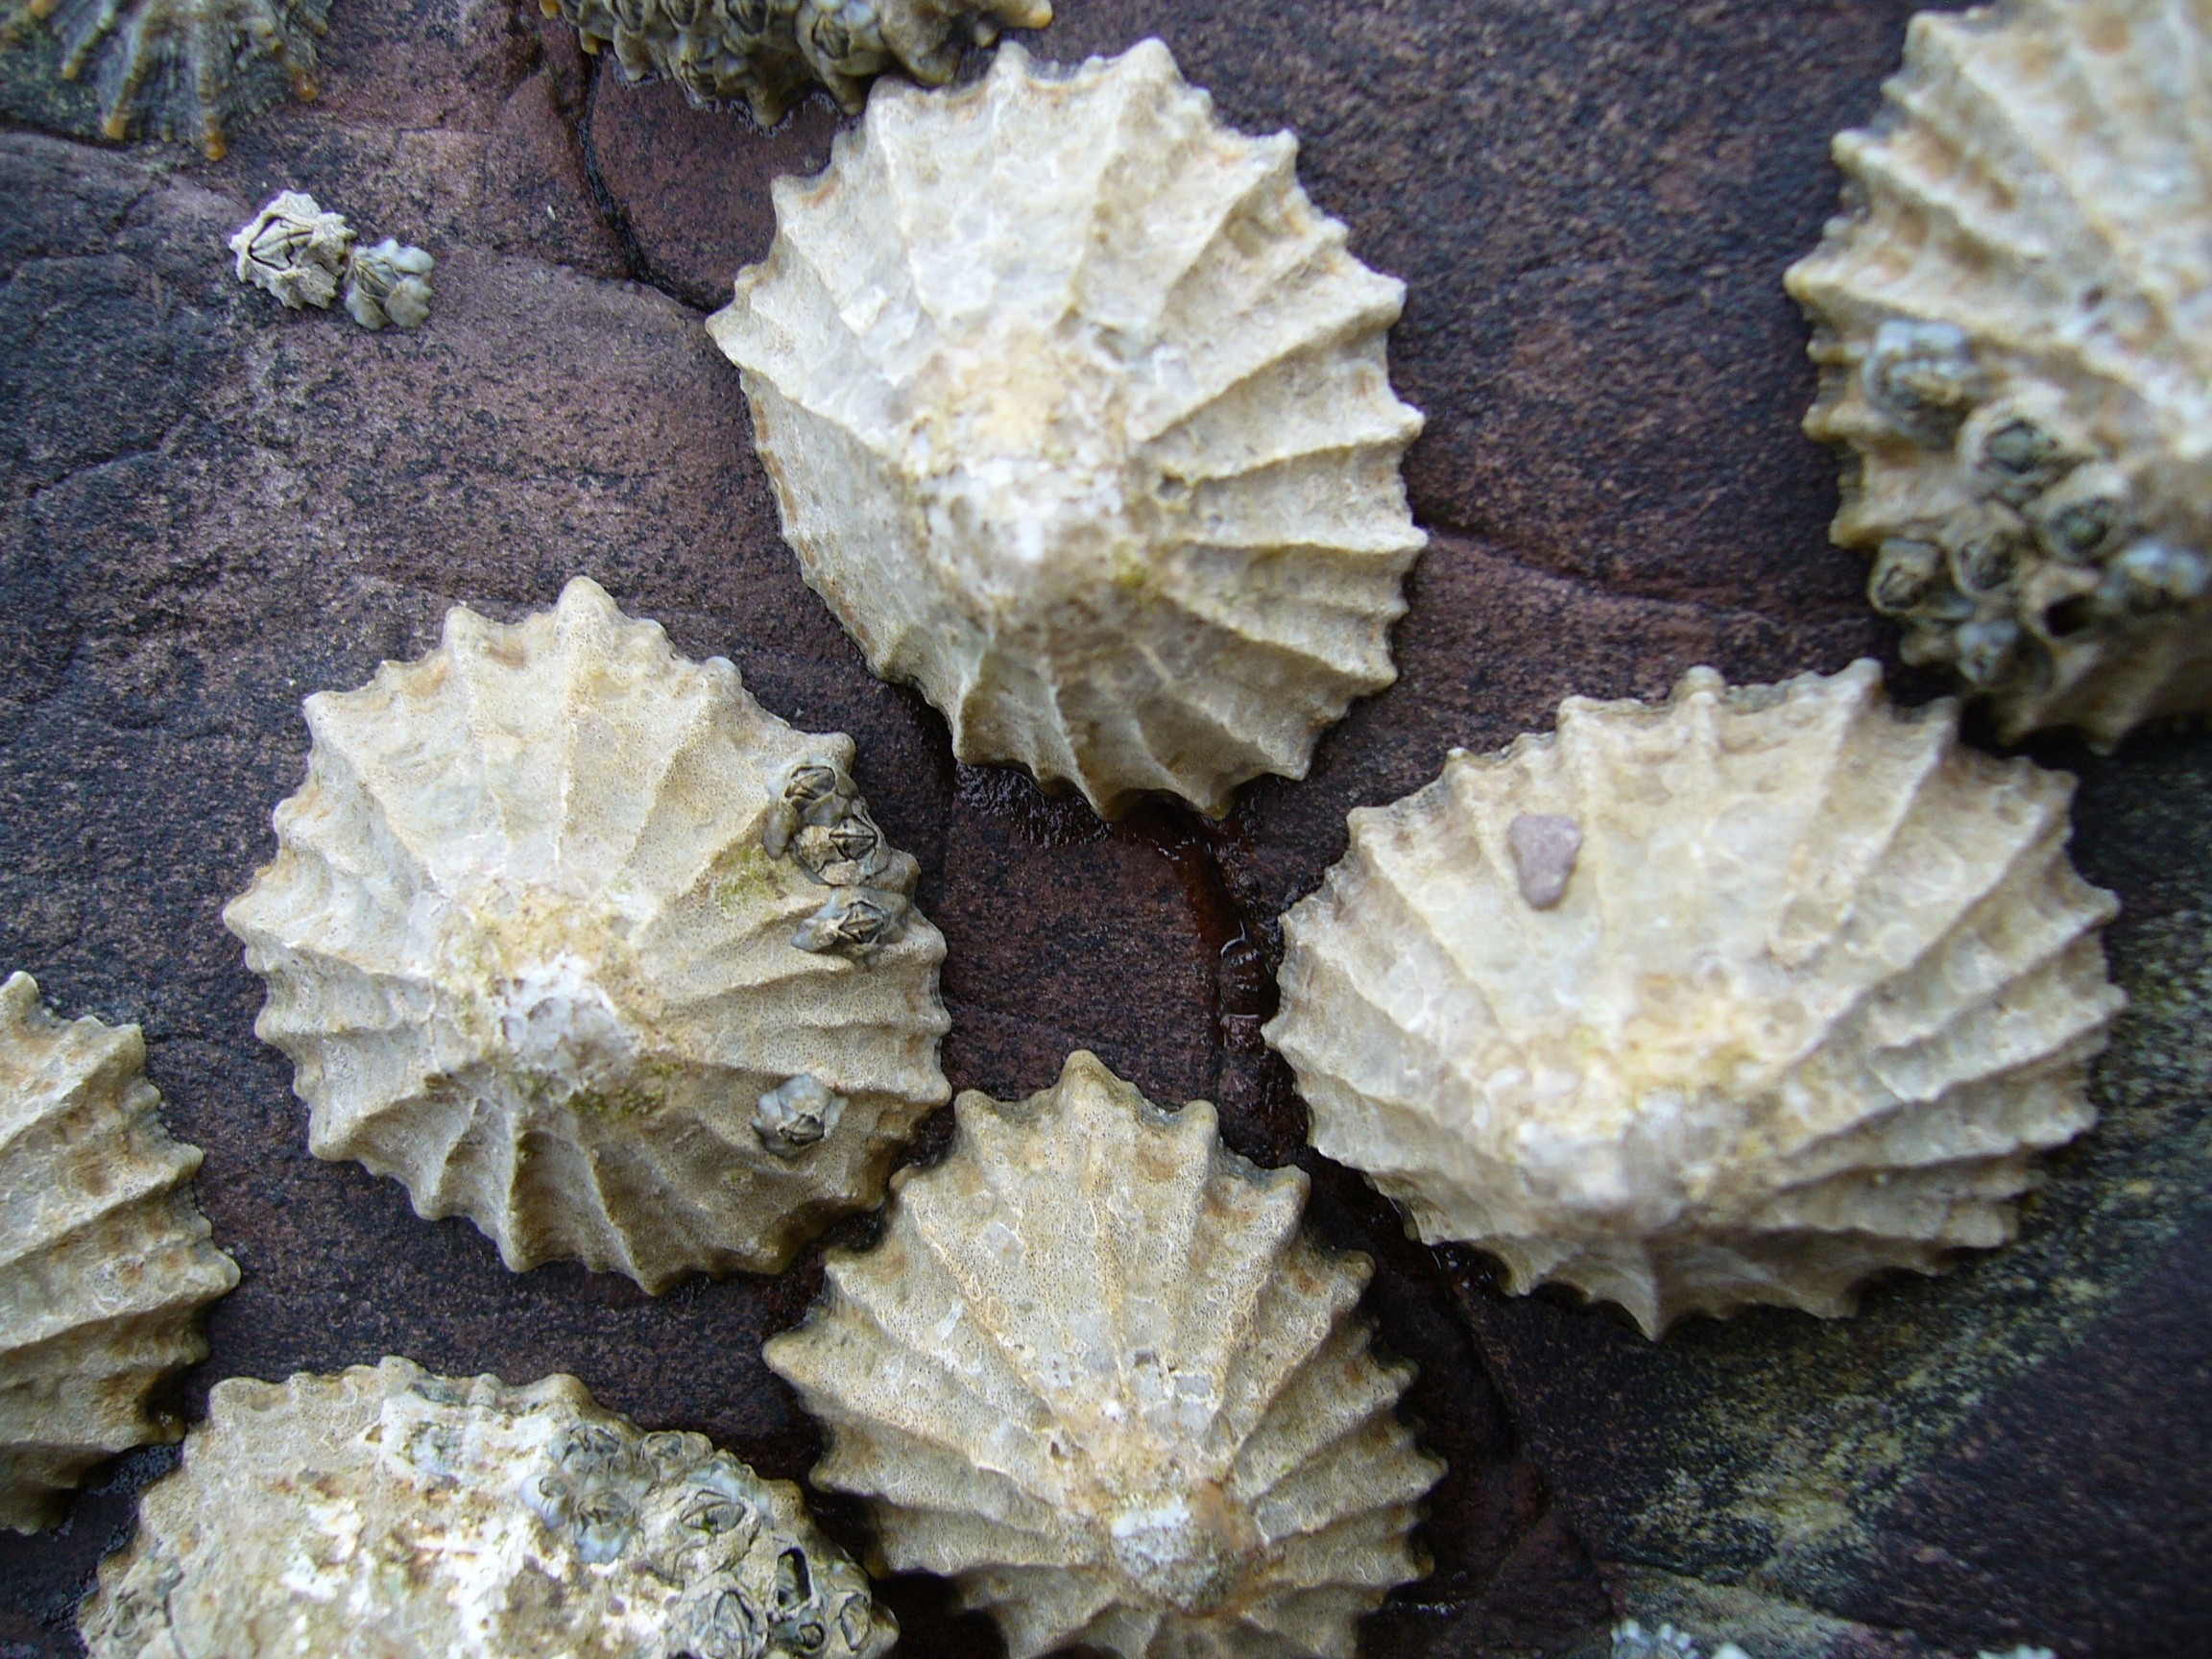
(104, 1261)
(1095, 1373)
(386, 1513)
(1815, 985)
(558, 913)
(2014, 351)
(772, 53)
(1078, 416)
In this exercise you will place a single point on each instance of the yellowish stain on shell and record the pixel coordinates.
(1078, 416)
(2014, 352)
(387, 1513)
(1817, 984)
(1094, 1374)
(105, 1264)
(530, 951)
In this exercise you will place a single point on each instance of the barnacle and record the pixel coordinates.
(771, 52)
(104, 1261)
(1078, 416)
(181, 68)
(386, 1513)
(1811, 989)
(294, 250)
(541, 944)
(1095, 1373)
(2011, 352)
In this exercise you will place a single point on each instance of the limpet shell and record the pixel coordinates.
(772, 53)
(1078, 416)
(104, 1261)
(2014, 352)
(1819, 985)
(1095, 1373)
(181, 68)
(554, 909)
(386, 1513)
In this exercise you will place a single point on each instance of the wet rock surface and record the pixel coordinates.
(210, 507)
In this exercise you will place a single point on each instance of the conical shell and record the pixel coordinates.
(554, 918)
(1078, 416)
(104, 1261)
(772, 53)
(1095, 1373)
(386, 1513)
(1736, 998)
(2012, 323)
(181, 69)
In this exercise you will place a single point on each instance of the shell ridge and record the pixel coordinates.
(63, 1218)
(546, 1166)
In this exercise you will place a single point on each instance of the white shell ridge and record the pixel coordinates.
(1078, 416)
(554, 911)
(1095, 1373)
(1818, 984)
(104, 1261)
(386, 1513)
(2015, 343)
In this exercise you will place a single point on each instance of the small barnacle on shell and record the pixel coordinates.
(2007, 350)
(1820, 984)
(387, 1513)
(181, 68)
(104, 1261)
(530, 953)
(772, 53)
(1078, 417)
(1095, 1373)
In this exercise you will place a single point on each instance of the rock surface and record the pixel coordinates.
(211, 506)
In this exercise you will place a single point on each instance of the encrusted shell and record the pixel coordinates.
(554, 912)
(2015, 345)
(386, 1513)
(183, 68)
(772, 53)
(1095, 1373)
(1815, 985)
(1078, 417)
(104, 1261)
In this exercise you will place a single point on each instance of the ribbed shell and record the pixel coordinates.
(545, 924)
(385, 1513)
(1820, 983)
(1095, 1373)
(772, 53)
(181, 68)
(104, 1261)
(2013, 320)
(1078, 417)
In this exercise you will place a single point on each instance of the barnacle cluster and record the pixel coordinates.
(388, 1512)
(294, 250)
(772, 53)
(820, 823)
(2013, 356)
